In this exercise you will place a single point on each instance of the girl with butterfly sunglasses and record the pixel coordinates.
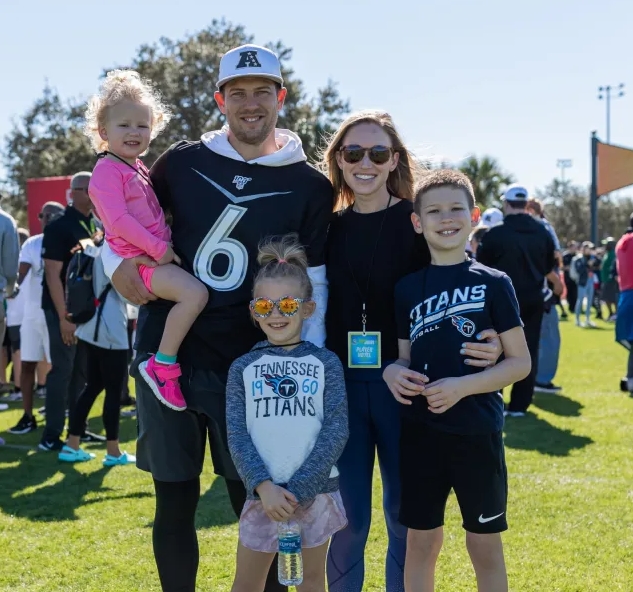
(286, 415)
(371, 246)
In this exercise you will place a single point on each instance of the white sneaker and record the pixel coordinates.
(507, 413)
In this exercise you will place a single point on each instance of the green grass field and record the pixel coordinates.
(85, 528)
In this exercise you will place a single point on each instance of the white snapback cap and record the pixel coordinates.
(249, 60)
(492, 217)
(515, 192)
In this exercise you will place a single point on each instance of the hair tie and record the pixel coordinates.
(281, 261)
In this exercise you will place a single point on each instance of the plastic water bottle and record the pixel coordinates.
(290, 571)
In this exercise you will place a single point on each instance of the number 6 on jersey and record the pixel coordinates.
(217, 242)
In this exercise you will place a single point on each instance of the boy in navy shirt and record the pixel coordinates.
(453, 413)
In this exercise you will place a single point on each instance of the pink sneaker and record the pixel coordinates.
(163, 380)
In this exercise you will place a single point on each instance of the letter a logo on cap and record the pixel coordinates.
(248, 59)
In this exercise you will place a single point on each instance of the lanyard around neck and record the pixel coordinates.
(363, 295)
(89, 229)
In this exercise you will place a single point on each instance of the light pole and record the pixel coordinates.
(605, 93)
(562, 164)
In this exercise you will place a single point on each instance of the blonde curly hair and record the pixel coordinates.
(120, 85)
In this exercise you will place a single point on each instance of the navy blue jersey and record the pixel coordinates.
(440, 308)
(221, 210)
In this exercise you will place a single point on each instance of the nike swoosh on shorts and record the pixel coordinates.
(483, 520)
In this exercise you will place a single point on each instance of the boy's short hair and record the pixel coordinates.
(444, 178)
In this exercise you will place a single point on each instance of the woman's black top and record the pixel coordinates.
(351, 241)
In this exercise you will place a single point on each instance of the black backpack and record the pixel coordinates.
(81, 302)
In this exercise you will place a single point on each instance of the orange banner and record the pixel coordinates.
(615, 168)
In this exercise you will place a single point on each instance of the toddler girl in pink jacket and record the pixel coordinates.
(121, 120)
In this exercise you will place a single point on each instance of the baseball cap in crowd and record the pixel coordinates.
(249, 60)
(515, 193)
(492, 217)
(609, 240)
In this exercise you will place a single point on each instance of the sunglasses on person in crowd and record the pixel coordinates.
(286, 305)
(354, 153)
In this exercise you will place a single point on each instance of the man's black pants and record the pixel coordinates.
(523, 391)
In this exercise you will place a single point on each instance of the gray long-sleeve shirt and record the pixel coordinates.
(287, 422)
(9, 250)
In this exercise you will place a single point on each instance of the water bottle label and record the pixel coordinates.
(290, 544)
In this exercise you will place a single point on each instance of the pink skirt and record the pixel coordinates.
(319, 521)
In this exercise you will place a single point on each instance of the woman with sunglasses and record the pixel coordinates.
(371, 245)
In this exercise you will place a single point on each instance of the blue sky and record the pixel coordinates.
(514, 80)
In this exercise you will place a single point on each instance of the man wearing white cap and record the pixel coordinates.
(225, 192)
(523, 249)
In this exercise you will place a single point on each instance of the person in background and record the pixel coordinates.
(67, 377)
(105, 341)
(33, 331)
(581, 272)
(595, 264)
(15, 314)
(475, 239)
(9, 254)
(624, 320)
(523, 249)
(608, 277)
(549, 343)
(571, 287)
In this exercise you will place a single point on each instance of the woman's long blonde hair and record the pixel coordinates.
(400, 180)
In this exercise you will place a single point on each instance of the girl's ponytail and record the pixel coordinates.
(284, 258)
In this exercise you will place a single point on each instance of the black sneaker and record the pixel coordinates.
(550, 388)
(90, 437)
(128, 401)
(624, 385)
(51, 445)
(24, 426)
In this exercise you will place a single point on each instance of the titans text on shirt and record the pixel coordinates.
(440, 308)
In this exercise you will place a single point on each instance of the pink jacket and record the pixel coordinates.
(127, 205)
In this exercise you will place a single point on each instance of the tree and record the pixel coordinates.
(48, 139)
(567, 208)
(46, 142)
(487, 178)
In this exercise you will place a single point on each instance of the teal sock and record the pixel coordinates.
(163, 359)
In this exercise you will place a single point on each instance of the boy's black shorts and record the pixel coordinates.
(433, 462)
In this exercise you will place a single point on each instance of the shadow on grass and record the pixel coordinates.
(558, 405)
(38, 487)
(533, 433)
(215, 508)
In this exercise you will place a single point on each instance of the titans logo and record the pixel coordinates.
(284, 386)
(465, 326)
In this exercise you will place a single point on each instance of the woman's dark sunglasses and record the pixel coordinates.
(354, 153)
